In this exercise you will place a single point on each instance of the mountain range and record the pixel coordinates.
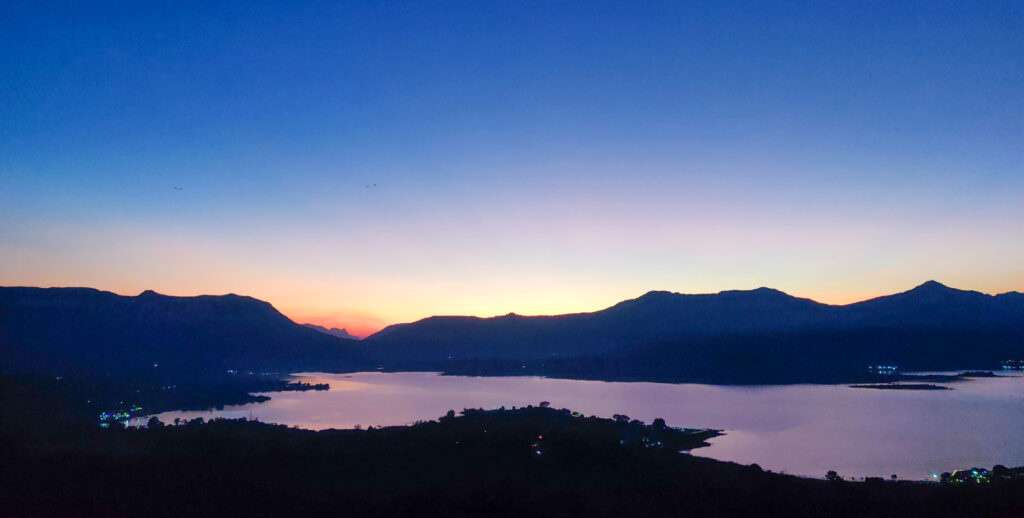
(88, 332)
(659, 316)
(760, 335)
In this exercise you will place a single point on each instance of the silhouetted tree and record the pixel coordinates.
(832, 476)
(1000, 472)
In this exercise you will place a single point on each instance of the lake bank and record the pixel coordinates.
(800, 429)
(533, 461)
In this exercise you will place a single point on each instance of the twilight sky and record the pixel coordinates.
(359, 164)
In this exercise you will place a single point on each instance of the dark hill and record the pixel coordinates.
(762, 330)
(83, 331)
(661, 313)
(655, 316)
(935, 306)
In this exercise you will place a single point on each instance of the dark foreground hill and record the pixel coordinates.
(757, 336)
(527, 462)
(90, 333)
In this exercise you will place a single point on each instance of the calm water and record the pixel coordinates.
(798, 429)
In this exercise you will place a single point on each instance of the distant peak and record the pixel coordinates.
(656, 293)
(762, 292)
(334, 331)
(932, 285)
(148, 293)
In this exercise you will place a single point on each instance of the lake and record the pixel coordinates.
(798, 429)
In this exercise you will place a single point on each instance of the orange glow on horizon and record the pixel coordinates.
(840, 298)
(360, 328)
(363, 326)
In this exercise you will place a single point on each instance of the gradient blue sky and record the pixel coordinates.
(537, 157)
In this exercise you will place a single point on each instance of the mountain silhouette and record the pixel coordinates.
(740, 336)
(933, 305)
(90, 332)
(931, 325)
(334, 331)
(655, 315)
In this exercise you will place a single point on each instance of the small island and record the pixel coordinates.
(901, 386)
(896, 381)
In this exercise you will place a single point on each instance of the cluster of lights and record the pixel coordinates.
(251, 373)
(883, 369)
(646, 442)
(122, 416)
(116, 416)
(974, 475)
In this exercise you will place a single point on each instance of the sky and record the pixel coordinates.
(359, 164)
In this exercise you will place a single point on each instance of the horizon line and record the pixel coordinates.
(360, 335)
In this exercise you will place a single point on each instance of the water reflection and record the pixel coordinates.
(799, 429)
